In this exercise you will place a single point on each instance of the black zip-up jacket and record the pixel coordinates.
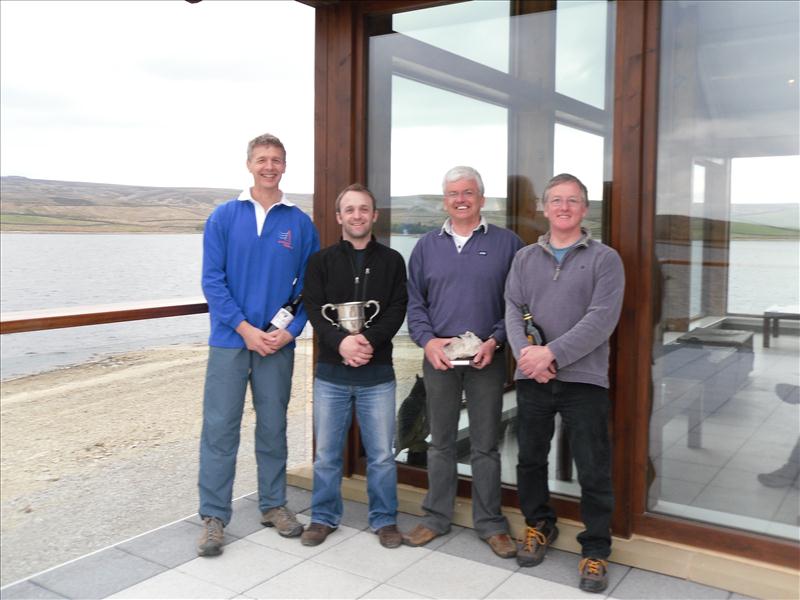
(331, 277)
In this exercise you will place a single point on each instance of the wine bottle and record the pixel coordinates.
(532, 330)
(285, 314)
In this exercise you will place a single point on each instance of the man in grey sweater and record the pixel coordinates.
(573, 286)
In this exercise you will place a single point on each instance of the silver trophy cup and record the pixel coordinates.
(350, 315)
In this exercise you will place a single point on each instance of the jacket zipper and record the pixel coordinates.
(364, 288)
(357, 279)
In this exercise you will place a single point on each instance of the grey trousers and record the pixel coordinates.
(484, 394)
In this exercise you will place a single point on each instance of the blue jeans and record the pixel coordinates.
(228, 373)
(375, 409)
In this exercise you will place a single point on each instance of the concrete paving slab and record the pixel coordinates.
(98, 575)
(524, 587)
(243, 565)
(269, 537)
(174, 585)
(562, 567)
(469, 545)
(26, 589)
(445, 576)
(389, 592)
(646, 584)
(363, 555)
(169, 546)
(313, 580)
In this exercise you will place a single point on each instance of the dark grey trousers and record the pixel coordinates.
(484, 394)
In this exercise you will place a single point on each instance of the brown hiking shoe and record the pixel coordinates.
(502, 545)
(389, 536)
(419, 536)
(283, 520)
(535, 544)
(594, 574)
(210, 542)
(315, 534)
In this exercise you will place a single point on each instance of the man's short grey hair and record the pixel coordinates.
(267, 140)
(565, 178)
(461, 172)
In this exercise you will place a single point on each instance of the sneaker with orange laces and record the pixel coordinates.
(535, 543)
(594, 574)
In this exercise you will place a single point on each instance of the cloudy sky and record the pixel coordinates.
(160, 93)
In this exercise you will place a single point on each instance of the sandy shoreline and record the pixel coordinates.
(96, 453)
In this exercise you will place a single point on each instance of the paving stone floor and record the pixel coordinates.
(258, 563)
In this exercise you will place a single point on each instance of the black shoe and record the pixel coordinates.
(535, 543)
(594, 574)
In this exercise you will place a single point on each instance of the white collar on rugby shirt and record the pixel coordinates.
(261, 214)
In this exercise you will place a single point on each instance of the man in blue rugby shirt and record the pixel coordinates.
(255, 250)
(456, 277)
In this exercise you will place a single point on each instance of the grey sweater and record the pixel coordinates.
(577, 305)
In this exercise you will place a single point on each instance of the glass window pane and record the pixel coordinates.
(493, 105)
(463, 29)
(581, 153)
(725, 427)
(581, 42)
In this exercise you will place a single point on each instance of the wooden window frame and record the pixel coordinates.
(340, 159)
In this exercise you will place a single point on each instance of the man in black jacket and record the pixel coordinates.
(355, 369)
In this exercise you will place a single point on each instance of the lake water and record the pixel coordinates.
(55, 270)
(60, 270)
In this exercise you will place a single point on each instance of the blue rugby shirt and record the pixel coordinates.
(247, 276)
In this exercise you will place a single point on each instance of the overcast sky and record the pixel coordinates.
(159, 93)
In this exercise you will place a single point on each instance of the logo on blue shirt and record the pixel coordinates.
(285, 239)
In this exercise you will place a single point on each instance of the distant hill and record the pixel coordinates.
(71, 206)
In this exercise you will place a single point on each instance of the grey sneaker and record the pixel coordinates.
(210, 542)
(283, 520)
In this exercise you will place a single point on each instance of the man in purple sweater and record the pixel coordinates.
(455, 285)
(573, 286)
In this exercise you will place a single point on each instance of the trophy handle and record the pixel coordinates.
(377, 310)
(327, 318)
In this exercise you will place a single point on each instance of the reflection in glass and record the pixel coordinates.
(501, 106)
(581, 41)
(581, 153)
(725, 424)
(462, 29)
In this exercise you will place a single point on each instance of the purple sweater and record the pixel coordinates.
(451, 292)
(577, 305)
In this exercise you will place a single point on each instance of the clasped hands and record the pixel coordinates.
(434, 352)
(537, 363)
(355, 350)
(263, 342)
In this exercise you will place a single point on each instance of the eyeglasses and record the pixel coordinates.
(571, 202)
